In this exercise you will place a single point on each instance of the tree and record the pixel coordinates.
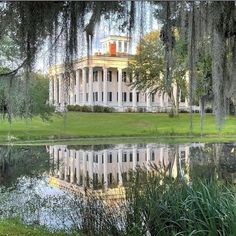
(148, 67)
(30, 24)
(13, 97)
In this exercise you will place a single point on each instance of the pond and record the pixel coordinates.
(48, 184)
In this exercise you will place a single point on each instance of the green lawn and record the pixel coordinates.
(14, 228)
(81, 125)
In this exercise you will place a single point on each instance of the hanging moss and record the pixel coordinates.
(30, 24)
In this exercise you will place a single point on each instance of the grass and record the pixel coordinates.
(14, 228)
(100, 125)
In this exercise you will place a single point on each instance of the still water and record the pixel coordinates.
(47, 184)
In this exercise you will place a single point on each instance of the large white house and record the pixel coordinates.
(102, 79)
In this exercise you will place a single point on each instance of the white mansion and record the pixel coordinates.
(102, 79)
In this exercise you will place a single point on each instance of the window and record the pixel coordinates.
(124, 176)
(109, 178)
(137, 156)
(102, 158)
(131, 157)
(95, 96)
(86, 97)
(75, 98)
(130, 97)
(117, 96)
(137, 96)
(109, 76)
(95, 179)
(124, 76)
(124, 97)
(124, 157)
(153, 97)
(109, 158)
(95, 76)
(95, 158)
(109, 94)
(153, 156)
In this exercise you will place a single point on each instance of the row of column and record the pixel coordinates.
(68, 165)
(59, 97)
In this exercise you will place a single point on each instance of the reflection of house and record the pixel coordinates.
(102, 79)
(109, 169)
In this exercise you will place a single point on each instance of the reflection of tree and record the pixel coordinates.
(227, 162)
(203, 161)
(16, 161)
(213, 161)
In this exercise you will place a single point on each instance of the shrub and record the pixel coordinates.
(98, 108)
(86, 108)
(208, 110)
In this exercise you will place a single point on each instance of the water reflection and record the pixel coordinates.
(109, 169)
(37, 182)
(18, 161)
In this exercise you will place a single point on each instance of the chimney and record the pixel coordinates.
(112, 49)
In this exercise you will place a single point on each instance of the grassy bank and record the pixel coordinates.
(97, 125)
(14, 228)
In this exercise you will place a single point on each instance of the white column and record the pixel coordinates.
(120, 181)
(90, 167)
(55, 90)
(84, 85)
(51, 92)
(66, 163)
(104, 86)
(120, 88)
(72, 166)
(105, 169)
(148, 100)
(72, 89)
(77, 79)
(61, 91)
(148, 153)
(134, 157)
(77, 165)
(134, 91)
(90, 81)
(84, 169)
(99, 87)
(99, 167)
(122, 46)
(161, 100)
(161, 160)
(56, 161)
(61, 163)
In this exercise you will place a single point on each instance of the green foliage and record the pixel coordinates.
(147, 68)
(32, 97)
(84, 108)
(164, 206)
